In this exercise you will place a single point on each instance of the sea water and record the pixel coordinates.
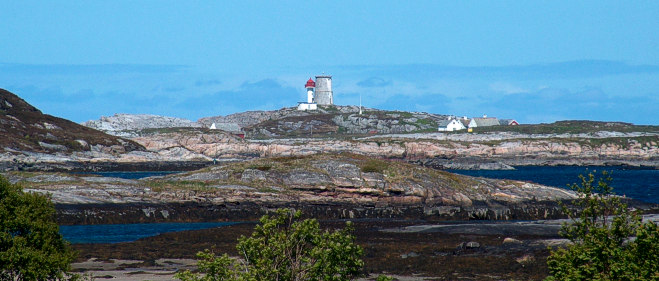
(641, 184)
(114, 233)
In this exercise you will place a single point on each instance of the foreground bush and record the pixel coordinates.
(284, 248)
(31, 247)
(609, 242)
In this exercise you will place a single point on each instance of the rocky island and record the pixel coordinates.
(343, 186)
(381, 169)
(34, 141)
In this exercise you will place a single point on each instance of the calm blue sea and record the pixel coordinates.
(641, 184)
(114, 233)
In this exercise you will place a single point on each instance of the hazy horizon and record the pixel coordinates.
(530, 61)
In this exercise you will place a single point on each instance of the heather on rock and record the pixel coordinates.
(609, 242)
(23, 127)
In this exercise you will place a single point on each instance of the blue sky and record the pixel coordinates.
(534, 61)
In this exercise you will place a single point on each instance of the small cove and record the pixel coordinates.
(115, 233)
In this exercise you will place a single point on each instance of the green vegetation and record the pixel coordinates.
(162, 185)
(427, 122)
(374, 166)
(601, 247)
(31, 247)
(284, 248)
(570, 127)
(329, 108)
(403, 114)
(260, 167)
(623, 142)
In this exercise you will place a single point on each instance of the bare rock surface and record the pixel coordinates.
(124, 125)
(454, 151)
(356, 186)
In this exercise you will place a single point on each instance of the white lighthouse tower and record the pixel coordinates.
(311, 101)
(310, 88)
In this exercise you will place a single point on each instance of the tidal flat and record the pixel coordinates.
(410, 250)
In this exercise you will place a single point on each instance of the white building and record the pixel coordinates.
(450, 125)
(318, 92)
(311, 103)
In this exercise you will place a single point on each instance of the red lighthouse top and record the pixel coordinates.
(310, 84)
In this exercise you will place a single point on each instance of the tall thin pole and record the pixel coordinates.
(360, 103)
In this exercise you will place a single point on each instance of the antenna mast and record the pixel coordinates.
(360, 103)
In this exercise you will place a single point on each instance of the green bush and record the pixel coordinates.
(31, 247)
(284, 248)
(601, 247)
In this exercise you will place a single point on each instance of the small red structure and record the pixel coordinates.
(310, 84)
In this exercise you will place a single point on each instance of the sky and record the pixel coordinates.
(533, 61)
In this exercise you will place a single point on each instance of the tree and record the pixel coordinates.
(284, 248)
(31, 247)
(608, 240)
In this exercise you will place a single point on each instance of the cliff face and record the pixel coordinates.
(436, 149)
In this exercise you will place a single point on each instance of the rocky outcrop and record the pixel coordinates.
(348, 121)
(328, 120)
(462, 151)
(337, 186)
(26, 132)
(129, 125)
(251, 118)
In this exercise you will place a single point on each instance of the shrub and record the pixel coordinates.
(31, 247)
(284, 248)
(601, 247)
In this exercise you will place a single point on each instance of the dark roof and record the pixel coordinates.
(484, 122)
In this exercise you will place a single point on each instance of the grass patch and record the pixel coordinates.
(329, 108)
(159, 186)
(260, 167)
(571, 127)
(374, 166)
(426, 122)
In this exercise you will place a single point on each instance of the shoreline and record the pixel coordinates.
(467, 163)
(415, 255)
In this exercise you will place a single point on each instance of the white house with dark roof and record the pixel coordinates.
(450, 125)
